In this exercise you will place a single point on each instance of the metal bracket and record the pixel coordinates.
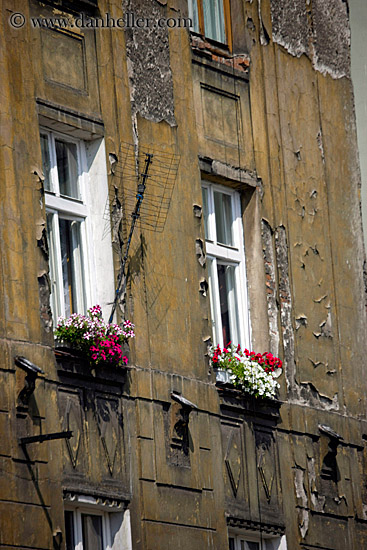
(67, 434)
(32, 372)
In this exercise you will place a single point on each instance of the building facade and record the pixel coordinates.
(241, 134)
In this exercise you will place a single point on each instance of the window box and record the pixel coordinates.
(253, 374)
(90, 339)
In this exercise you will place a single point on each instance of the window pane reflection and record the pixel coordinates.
(92, 532)
(67, 168)
(194, 15)
(223, 218)
(70, 244)
(206, 212)
(46, 163)
(214, 20)
(69, 531)
(227, 298)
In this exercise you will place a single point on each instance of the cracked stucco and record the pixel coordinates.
(318, 29)
(148, 57)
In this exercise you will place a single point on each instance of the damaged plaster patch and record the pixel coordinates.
(303, 513)
(331, 41)
(317, 500)
(301, 321)
(44, 300)
(290, 25)
(326, 328)
(150, 76)
(199, 248)
(320, 145)
(264, 35)
(113, 160)
(318, 29)
(314, 397)
(271, 286)
(203, 287)
(197, 210)
(316, 363)
(116, 219)
(285, 300)
(41, 236)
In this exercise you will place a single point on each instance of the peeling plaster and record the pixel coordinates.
(301, 321)
(198, 211)
(316, 363)
(317, 29)
(319, 300)
(44, 300)
(271, 286)
(199, 248)
(285, 300)
(321, 147)
(303, 513)
(331, 41)
(113, 160)
(116, 219)
(312, 396)
(264, 35)
(148, 57)
(203, 289)
(41, 236)
(318, 501)
(290, 25)
(326, 328)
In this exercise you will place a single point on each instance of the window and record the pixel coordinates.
(78, 222)
(86, 531)
(63, 167)
(226, 265)
(211, 18)
(254, 541)
(92, 528)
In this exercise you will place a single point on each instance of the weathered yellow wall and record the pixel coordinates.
(291, 131)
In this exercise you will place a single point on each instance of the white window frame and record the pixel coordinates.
(72, 209)
(264, 540)
(113, 538)
(78, 528)
(228, 255)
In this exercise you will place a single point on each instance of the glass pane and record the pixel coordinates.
(253, 545)
(212, 301)
(223, 218)
(92, 532)
(194, 15)
(67, 168)
(46, 163)
(72, 279)
(228, 307)
(214, 20)
(224, 308)
(69, 531)
(232, 304)
(206, 212)
(53, 273)
(231, 543)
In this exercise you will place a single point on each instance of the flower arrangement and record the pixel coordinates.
(101, 342)
(253, 373)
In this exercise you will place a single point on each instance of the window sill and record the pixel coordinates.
(220, 53)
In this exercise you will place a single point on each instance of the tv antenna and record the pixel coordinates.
(154, 185)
